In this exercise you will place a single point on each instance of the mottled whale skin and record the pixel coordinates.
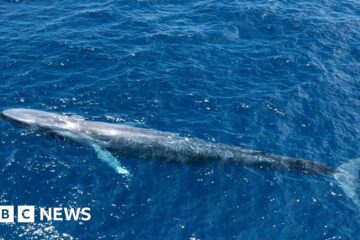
(144, 143)
(127, 141)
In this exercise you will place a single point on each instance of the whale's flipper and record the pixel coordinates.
(102, 154)
(110, 159)
(347, 176)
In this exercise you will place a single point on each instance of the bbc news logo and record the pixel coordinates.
(30, 214)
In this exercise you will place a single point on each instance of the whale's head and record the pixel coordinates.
(39, 119)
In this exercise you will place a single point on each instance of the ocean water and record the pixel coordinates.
(277, 76)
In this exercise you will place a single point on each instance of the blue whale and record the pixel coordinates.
(142, 143)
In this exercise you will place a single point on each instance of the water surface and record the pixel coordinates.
(278, 76)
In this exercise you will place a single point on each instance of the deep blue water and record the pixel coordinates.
(277, 76)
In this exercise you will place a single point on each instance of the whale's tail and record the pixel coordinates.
(347, 176)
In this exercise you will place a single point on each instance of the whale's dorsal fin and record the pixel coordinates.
(110, 159)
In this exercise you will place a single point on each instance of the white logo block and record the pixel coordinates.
(6, 214)
(26, 214)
